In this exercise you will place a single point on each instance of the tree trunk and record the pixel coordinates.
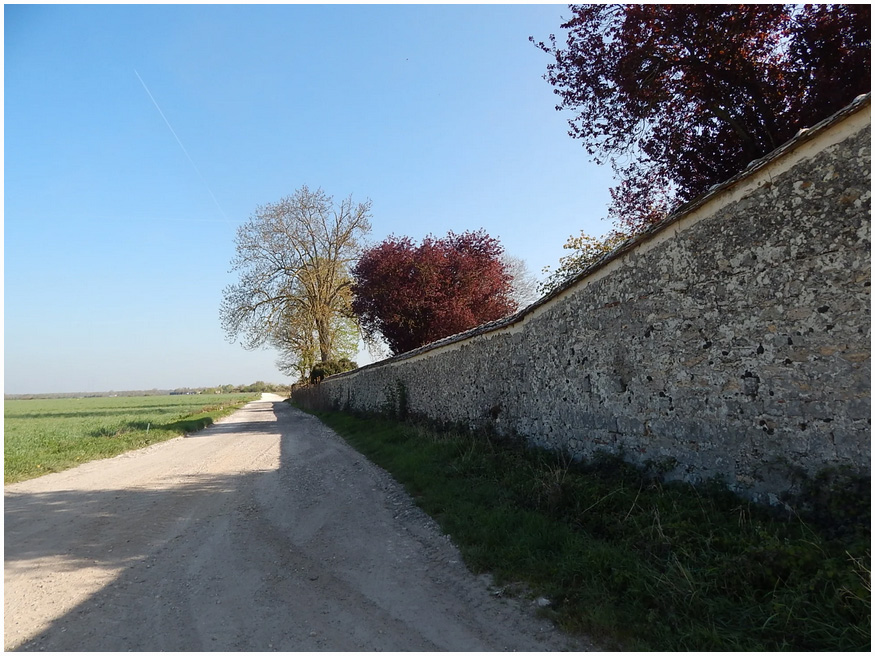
(324, 330)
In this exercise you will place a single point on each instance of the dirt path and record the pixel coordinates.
(264, 532)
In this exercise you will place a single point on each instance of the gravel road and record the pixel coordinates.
(264, 532)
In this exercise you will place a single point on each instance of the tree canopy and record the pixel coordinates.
(293, 260)
(586, 250)
(680, 97)
(415, 294)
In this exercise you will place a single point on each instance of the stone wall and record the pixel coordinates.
(733, 339)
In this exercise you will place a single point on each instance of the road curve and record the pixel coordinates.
(264, 532)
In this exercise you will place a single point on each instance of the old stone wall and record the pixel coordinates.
(732, 340)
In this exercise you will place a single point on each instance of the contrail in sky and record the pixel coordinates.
(179, 141)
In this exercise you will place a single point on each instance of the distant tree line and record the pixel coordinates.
(258, 386)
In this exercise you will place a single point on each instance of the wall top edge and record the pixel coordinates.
(804, 136)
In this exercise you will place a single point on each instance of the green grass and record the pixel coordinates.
(630, 561)
(50, 435)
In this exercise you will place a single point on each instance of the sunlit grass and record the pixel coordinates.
(50, 435)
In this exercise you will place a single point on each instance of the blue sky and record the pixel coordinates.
(119, 228)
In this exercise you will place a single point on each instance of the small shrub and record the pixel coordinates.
(395, 405)
(323, 369)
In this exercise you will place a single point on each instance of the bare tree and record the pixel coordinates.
(524, 285)
(293, 259)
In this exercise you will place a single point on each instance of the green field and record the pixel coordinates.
(50, 435)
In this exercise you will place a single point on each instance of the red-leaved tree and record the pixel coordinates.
(680, 97)
(415, 294)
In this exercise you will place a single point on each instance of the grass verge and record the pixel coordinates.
(49, 435)
(628, 560)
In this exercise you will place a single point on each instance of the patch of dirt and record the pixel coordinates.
(264, 532)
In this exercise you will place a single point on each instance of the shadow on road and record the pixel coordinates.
(96, 513)
(261, 424)
(127, 540)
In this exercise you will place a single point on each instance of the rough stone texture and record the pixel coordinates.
(733, 340)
